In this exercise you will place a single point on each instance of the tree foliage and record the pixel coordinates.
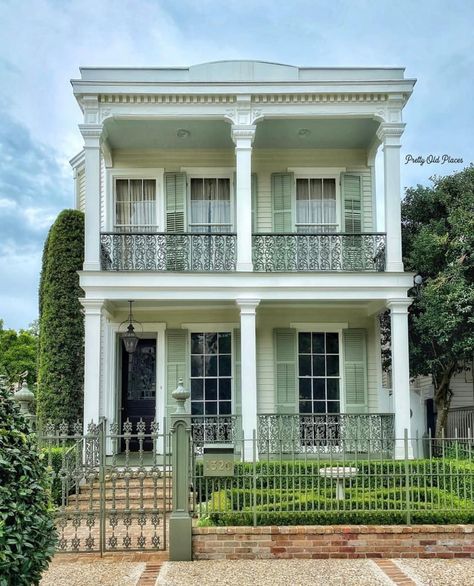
(438, 243)
(27, 531)
(61, 322)
(18, 352)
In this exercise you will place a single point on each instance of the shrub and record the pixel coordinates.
(61, 322)
(27, 531)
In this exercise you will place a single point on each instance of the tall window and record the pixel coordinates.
(318, 372)
(316, 205)
(211, 373)
(135, 204)
(210, 205)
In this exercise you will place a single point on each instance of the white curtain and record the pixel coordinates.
(136, 202)
(210, 205)
(316, 205)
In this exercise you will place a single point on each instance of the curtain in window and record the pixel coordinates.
(210, 205)
(135, 202)
(316, 204)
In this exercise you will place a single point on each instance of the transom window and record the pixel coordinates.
(318, 372)
(316, 205)
(210, 205)
(135, 204)
(211, 373)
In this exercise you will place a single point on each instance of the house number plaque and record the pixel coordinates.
(218, 460)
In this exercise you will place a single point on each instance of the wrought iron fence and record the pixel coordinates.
(111, 487)
(434, 484)
(326, 433)
(186, 251)
(207, 429)
(319, 252)
(460, 422)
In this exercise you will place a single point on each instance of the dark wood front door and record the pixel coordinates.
(139, 388)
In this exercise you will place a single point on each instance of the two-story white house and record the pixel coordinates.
(235, 203)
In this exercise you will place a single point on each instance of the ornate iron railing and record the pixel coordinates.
(318, 252)
(206, 429)
(327, 433)
(186, 251)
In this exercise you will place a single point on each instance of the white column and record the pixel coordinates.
(92, 353)
(400, 372)
(248, 366)
(243, 136)
(92, 134)
(390, 135)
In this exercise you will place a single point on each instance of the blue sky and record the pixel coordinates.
(43, 43)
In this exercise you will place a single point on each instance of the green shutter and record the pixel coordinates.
(237, 374)
(175, 201)
(282, 196)
(254, 202)
(176, 366)
(355, 370)
(352, 197)
(285, 370)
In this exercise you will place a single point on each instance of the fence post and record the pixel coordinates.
(102, 465)
(180, 527)
(407, 476)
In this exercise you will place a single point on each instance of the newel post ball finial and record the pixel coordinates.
(181, 395)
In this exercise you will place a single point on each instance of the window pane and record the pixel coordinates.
(225, 408)
(211, 389)
(197, 366)
(224, 190)
(318, 343)
(305, 388)
(319, 407)
(304, 343)
(333, 388)
(121, 189)
(333, 406)
(319, 365)
(316, 192)
(210, 365)
(305, 365)
(197, 343)
(332, 365)
(319, 389)
(225, 343)
(225, 366)
(197, 408)
(225, 389)
(302, 189)
(305, 406)
(196, 389)
(197, 189)
(210, 408)
(332, 343)
(210, 344)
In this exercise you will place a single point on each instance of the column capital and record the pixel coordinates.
(247, 306)
(92, 306)
(91, 134)
(399, 306)
(390, 133)
(243, 135)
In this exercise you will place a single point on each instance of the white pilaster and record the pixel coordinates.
(243, 136)
(92, 339)
(400, 372)
(92, 146)
(248, 365)
(389, 134)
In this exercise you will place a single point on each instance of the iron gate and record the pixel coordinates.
(111, 487)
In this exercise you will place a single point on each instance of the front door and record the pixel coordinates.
(139, 388)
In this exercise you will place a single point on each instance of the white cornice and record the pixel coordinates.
(78, 160)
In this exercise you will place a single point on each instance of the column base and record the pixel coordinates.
(91, 266)
(180, 537)
(394, 267)
(244, 267)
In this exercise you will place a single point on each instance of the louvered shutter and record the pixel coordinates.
(355, 370)
(282, 195)
(175, 201)
(237, 374)
(176, 366)
(352, 197)
(285, 370)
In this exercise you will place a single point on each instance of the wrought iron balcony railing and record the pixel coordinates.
(210, 429)
(187, 251)
(319, 252)
(326, 433)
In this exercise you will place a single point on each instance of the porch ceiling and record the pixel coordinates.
(304, 133)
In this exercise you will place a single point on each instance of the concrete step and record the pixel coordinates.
(134, 495)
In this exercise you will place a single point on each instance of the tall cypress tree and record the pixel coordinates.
(61, 322)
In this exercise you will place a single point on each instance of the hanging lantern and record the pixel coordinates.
(129, 337)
